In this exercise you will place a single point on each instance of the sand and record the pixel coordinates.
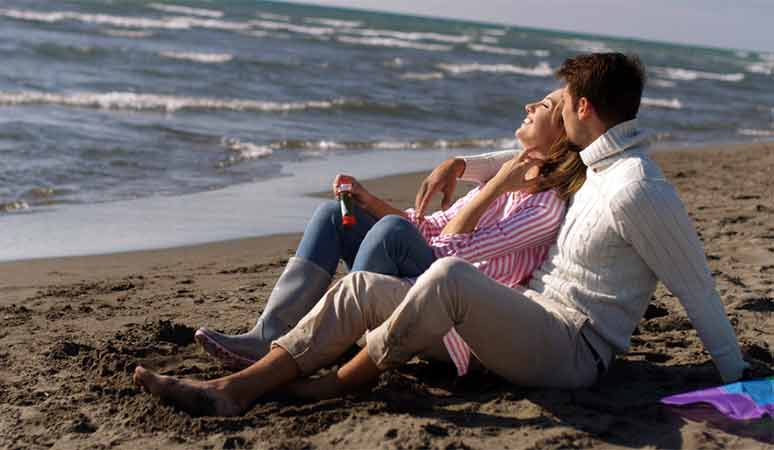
(74, 328)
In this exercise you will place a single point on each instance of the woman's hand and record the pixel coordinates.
(442, 179)
(520, 173)
(360, 195)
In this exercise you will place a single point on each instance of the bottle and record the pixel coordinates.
(345, 199)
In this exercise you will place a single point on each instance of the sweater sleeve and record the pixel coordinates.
(535, 223)
(480, 168)
(651, 217)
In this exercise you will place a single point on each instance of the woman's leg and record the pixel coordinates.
(356, 303)
(394, 246)
(304, 280)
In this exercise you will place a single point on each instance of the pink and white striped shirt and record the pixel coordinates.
(510, 241)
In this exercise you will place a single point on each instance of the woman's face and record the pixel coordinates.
(542, 126)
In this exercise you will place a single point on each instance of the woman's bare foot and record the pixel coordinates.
(198, 398)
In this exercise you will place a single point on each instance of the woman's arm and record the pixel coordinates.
(511, 177)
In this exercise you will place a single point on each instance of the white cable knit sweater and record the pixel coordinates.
(625, 229)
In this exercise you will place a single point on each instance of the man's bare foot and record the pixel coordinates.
(198, 398)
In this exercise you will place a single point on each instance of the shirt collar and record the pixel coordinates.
(615, 140)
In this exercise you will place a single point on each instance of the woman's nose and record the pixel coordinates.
(529, 107)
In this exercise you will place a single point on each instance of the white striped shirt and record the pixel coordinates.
(510, 240)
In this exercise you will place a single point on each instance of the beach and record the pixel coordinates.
(74, 329)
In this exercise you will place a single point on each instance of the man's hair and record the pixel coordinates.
(612, 82)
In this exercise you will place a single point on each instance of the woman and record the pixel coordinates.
(504, 227)
(389, 241)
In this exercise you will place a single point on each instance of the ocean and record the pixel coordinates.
(128, 125)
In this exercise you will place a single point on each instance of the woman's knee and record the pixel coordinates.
(328, 211)
(391, 227)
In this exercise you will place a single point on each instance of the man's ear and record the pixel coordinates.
(585, 108)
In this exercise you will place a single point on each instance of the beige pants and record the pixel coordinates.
(512, 333)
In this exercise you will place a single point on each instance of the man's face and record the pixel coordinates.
(570, 117)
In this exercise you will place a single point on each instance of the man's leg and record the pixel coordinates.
(520, 339)
(356, 303)
(305, 279)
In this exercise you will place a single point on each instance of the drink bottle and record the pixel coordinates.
(345, 199)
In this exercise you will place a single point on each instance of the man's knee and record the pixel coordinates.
(449, 268)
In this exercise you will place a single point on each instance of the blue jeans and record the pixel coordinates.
(390, 246)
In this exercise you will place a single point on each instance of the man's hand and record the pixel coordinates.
(442, 179)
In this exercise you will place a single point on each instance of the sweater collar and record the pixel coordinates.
(615, 140)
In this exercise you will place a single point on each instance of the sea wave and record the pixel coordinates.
(168, 103)
(205, 58)
(177, 9)
(270, 16)
(679, 74)
(14, 206)
(337, 23)
(243, 151)
(395, 43)
(489, 40)
(169, 23)
(584, 45)
(754, 132)
(422, 76)
(494, 143)
(497, 50)
(668, 103)
(494, 31)
(541, 70)
(284, 26)
(662, 83)
(411, 35)
(128, 33)
(763, 68)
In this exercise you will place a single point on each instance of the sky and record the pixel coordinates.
(734, 24)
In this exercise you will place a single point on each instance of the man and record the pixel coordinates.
(626, 227)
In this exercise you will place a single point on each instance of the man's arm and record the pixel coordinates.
(650, 215)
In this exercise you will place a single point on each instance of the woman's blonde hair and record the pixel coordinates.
(563, 168)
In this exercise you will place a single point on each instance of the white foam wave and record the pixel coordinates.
(585, 45)
(323, 145)
(541, 70)
(176, 9)
(753, 132)
(679, 74)
(242, 151)
(127, 33)
(395, 43)
(763, 68)
(334, 22)
(489, 40)
(668, 103)
(411, 36)
(14, 206)
(169, 23)
(497, 50)
(270, 16)
(662, 83)
(300, 29)
(205, 58)
(422, 76)
(494, 32)
(152, 102)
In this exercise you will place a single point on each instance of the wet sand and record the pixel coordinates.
(74, 328)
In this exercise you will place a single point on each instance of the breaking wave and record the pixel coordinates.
(205, 58)
(753, 132)
(422, 76)
(668, 103)
(678, 74)
(541, 70)
(395, 43)
(176, 9)
(334, 22)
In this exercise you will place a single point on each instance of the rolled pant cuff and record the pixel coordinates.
(297, 351)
